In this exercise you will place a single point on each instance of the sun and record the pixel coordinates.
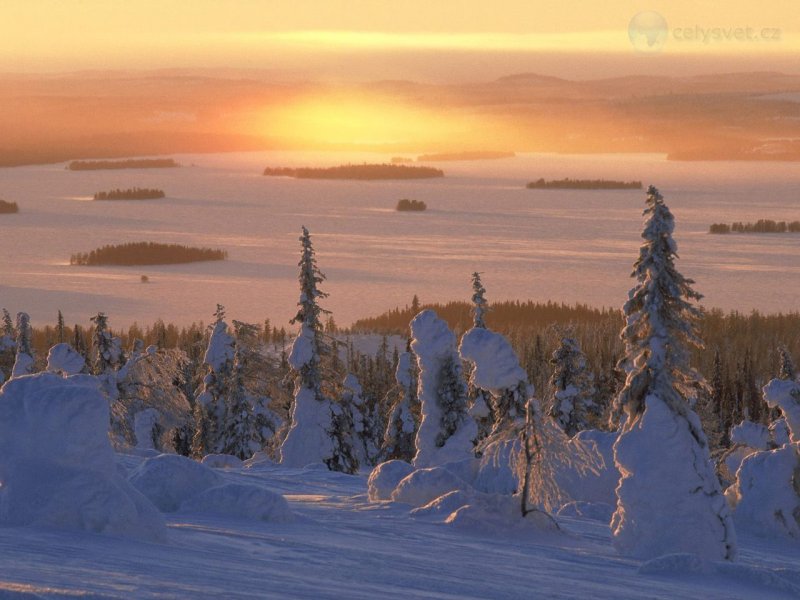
(343, 120)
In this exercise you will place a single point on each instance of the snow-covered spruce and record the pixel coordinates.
(313, 436)
(446, 432)
(210, 399)
(572, 385)
(401, 427)
(363, 441)
(479, 399)
(669, 498)
(23, 363)
(64, 360)
(766, 492)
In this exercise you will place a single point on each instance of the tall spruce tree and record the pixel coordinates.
(313, 436)
(669, 498)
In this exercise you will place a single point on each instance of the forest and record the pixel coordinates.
(145, 253)
(134, 193)
(8, 207)
(130, 163)
(760, 226)
(583, 184)
(363, 171)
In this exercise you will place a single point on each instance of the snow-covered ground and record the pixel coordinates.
(344, 546)
(540, 244)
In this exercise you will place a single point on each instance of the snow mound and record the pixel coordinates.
(242, 501)
(259, 460)
(64, 360)
(221, 461)
(57, 467)
(385, 477)
(496, 365)
(168, 480)
(424, 485)
(786, 396)
(594, 511)
(681, 565)
(764, 494)
(752, 435)
(497, 515)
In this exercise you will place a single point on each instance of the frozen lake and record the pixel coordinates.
(539, 244)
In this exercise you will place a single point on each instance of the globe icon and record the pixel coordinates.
(648, 31)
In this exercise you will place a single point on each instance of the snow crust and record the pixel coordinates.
(57, 466)
(223, 461)
(668, 498)
(63, 359)
(168, 480)
(243, 501)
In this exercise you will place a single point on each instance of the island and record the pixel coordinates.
(583, 184)
(396, 160)
(145, 253)
(131, 163)
(475, 155)
(8, 207)
(363, 171)
(760, 226)
(135, 193)
(411, 205)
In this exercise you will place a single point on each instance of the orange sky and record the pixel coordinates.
(368, 39)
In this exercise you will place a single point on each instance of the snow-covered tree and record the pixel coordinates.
(8, 325)
(210, 400)
(60, 332)
(669, 498)
(23, 364)
(766, 493)
(572, 384)
(787, 369)
(363, 441)
(241, 436)
(479, 399)
(402, 423)
(446, 431)
(313, 436)
(63, 359)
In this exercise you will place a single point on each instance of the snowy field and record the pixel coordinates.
(537, 244)
(343, 546)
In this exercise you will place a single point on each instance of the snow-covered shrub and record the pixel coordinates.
(766, 493)
(385, 477)
(63, 359)
(401, 425)
(168, 480)
(56, 463)
(423, 485)
(242, 501)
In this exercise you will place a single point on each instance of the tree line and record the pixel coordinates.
(760, 226)
(134, 193)
(363, 171)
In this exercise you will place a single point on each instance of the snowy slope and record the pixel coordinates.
(343, 546)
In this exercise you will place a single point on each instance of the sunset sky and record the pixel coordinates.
(423, 40)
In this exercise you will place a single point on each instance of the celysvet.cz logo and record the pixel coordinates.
(649, 33)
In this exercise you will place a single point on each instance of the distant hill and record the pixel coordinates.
(477, 155)
(365, 171)
(131, 163)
